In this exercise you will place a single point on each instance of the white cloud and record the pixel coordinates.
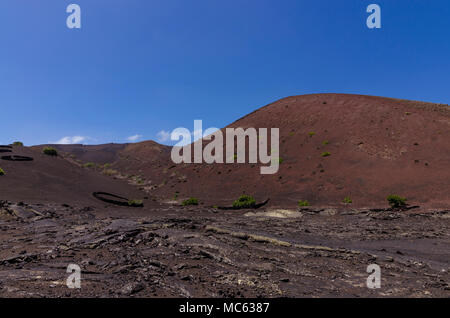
(185, 136)
(134, 137)
(71, 140)
(163, 136)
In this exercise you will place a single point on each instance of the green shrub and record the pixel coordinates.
(106, 165)
(326, 142)
(50, 151)
(2, 172)
(396, 201)
(135, 203)
(89, 165)
(347, 200)
(244, 202)
(139, 180)
(326, 154)
(291, 133)
(303, 203)
(311, 134)
(190, 201)
(17, 143)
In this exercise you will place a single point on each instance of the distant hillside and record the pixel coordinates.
(378, 146)
(49, 179)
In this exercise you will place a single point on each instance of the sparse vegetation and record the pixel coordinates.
(311, 134)
(2, 172)
(326, 154)
(396, 201)
(303, 203)
(50, 151)
(135, 203)
(291, 133)
(106, 165)
(139, 180)
(110, 172)
(244, 202)
(89, 165)
(17, 143)
(326, 142)
(190, 201)
(347, 200)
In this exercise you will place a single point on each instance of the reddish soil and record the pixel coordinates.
(49, 179)
(379, 146)
(100, 154)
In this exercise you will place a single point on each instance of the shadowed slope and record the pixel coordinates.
(99, 154)
(55, 179)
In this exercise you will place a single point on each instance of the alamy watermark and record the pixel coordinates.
(374, 279)
(74, 19)
(236, 150)
(374, 20)
(74, 279)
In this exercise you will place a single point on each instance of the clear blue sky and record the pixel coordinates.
(140, 66)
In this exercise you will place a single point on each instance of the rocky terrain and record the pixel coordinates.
(171, 251)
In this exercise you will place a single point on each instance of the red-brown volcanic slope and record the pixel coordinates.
(379, 146)
(56, 180)
(147, 159)
(100, 154)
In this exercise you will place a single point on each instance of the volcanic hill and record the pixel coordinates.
(54, 179)
(374, 147)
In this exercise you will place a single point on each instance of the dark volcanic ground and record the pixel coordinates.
(379, 147)
(165, 250)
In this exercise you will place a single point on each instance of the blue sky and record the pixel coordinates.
(138, 67)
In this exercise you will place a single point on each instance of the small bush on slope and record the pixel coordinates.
(135, 203)
(190, 201)
(50, 151)
(396, 201)
(347, 200)
(244, 202)
(303, 203)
